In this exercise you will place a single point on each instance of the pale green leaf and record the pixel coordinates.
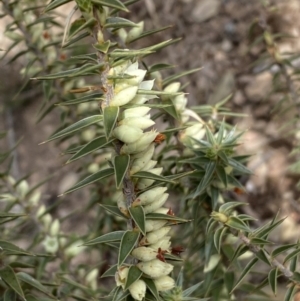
(8, 275)
(121, 164)
(76, 127)
(127, 244)
(149, 175)
(109, 237)
(112, 3)
(134, 274)
(110, 117)
(138, 215)
(95, 144)
(102, 174)
(110, 272)
(11, 249)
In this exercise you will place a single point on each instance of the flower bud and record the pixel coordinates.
(138, 290)
(220, 217)
(140, 145)
(153, 224)
(162, 210)
(164, 244)
(122, 34)
(127, 134)
(135, 32)
(195, 131)
(122, 205)
(149, 196)
(54, 228)
(41, 211)
(139, 163)
(124, 96)
(146, 153)
(91, 278)
(74, 249)
(121, 276)
(144, 183)
(135, 112)
(46, 220)
(180, 102)
(172, 88)
(156, 204)
(155, 268)
(149, 165)
(144, 254)
(153, 237)
(139, 122)
(51, 244)
(164, 283)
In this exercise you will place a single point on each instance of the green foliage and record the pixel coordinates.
(196, 160)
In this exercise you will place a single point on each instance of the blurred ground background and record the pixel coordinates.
(217, 36)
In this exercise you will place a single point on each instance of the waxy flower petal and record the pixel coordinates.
(127, 134)
(149, 196)
(144, 253)
(155, 268)
(155, 236)
(139, 122)
(138, 290)
(124, 96)
(164, 283)
(156, 204)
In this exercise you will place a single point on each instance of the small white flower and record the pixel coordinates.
(135, 32)
(91, 278)
(149, 196)
(54, 228)
(144, 253)
(140, 162)
(124, 96)
(153, 224)
(155, 236)
(127, 134)
(140, 145)
(144, 183)
(164, 244)
(150, 165)
(155, 268)
(135, 112)
(164, 283)
(139, 122)
(121, 276)
(74, 249)
(156, 204)
(138, 290)
(51, 244)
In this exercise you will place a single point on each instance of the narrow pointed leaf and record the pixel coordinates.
(134, 274)
(110, 116)
(148, 33)
(112, 3)
(10, 295)
(239, 167)
(117, 53)
(54, 4)
(191, 289)
(290, 293)
(113, 209)
(8, 275)
(245, 272)
(229, 280)
(149, 175)
(171, 109)
(121, 164)
(110, 272)
(152, 288)
(76, 127)
(87, 25)
(228, 207)
(76, 39)
(240, 250)
(272, 277)
(209, 172)
(117, 22)
(238, 224)
(161, 216)
(34, 283)
(291, 255)
(97, 143)
(109, 237)
(172, 78)
(138, 215)
(11, 249)
(218, 238)
(100, 175)
(128, 242)
(222, 175)
(86, 98)
(282, 249)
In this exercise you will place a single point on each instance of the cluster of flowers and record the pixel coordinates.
(140, 145)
